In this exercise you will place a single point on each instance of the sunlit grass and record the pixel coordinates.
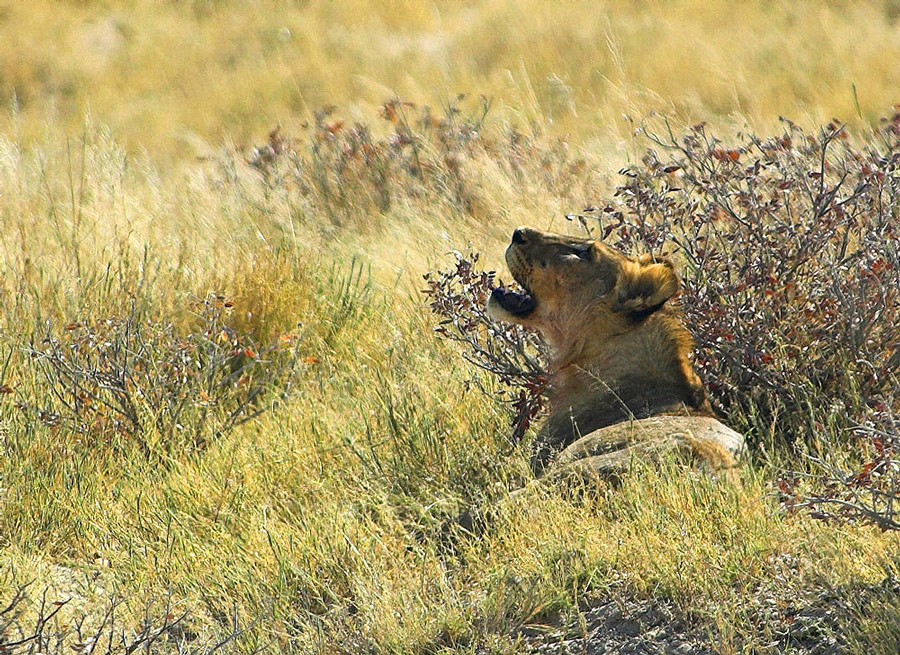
(175, 77)
(326, 517)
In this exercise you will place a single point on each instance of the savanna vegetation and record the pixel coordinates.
(228, 421)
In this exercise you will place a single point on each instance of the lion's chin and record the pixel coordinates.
(508, 305)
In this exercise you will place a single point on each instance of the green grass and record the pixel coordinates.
(324, 519)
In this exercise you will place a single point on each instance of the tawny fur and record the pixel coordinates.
(619, 348)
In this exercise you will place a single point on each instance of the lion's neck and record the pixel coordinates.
(645, 366)
(601, 381)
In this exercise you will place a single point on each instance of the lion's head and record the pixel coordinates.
(618, 351)
(579, 286)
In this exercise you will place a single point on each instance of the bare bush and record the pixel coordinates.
(791, 271)
(866, 493)
(32, 628)
(790, 264)
(135, 375)
(792, 291)
(416, 152)
(516, 356)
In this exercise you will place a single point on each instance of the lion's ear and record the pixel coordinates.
(644, 285)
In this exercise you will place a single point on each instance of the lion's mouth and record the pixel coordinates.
(517, 303)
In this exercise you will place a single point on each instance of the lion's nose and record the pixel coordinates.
(518, 235)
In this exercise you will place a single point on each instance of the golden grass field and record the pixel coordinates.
(124, 138)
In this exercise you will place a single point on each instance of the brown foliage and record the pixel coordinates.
(351, 170)
(134, 374)
(791, 269)
(514, 355)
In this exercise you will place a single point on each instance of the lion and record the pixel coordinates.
(622, 383)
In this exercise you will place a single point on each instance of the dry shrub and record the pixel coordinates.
(514, 355)
(790, 266)
(791, 270)
(30, 626)
(868, 492)
(143, 379)
(349, 171)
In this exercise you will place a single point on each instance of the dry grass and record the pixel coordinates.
(324, 518)
(176, 77)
